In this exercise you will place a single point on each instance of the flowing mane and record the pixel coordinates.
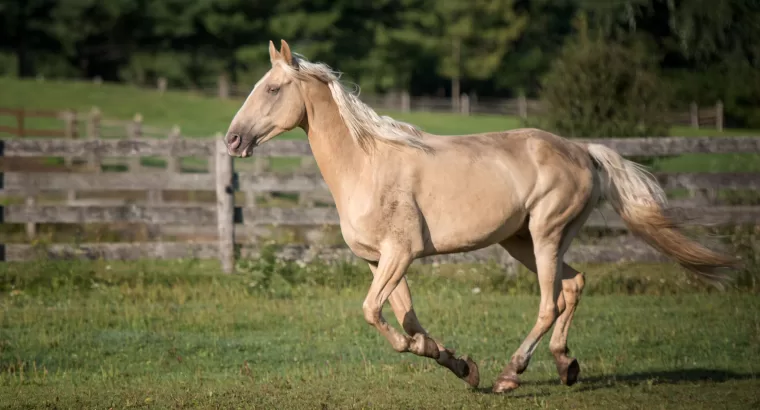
(363, 123)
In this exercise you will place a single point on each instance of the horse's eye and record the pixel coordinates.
(272, 89)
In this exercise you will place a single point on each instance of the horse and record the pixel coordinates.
(403, 194)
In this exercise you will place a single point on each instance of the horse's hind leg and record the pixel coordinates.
(546, 245)
(401, 303)
(572, 286)
(552, 228)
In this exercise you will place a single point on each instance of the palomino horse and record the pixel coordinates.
(403, 194)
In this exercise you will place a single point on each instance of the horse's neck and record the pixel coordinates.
(339, 158)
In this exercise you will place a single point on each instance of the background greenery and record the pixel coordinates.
(702, 50)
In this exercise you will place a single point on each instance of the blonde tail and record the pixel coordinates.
(640, 201)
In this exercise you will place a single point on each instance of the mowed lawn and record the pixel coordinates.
(197, 115)
(181, 335)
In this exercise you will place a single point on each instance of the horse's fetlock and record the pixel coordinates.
(558, 350)
(401, 345)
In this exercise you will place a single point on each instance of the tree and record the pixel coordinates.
(468, 38)
(598, 88)
(25, 28)
(398, 44)
(97, 37)
(546, 30)
(475, 37)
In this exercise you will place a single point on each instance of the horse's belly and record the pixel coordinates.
(477, 229)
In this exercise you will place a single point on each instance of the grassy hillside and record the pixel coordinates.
(201, 116)
(198, 116)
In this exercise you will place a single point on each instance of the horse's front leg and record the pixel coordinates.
(401, 303)
(390, 270)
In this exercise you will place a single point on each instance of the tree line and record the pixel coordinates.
(702, 50)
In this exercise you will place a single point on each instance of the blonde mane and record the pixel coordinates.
(363, 123)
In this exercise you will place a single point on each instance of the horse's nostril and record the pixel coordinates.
(233, 140)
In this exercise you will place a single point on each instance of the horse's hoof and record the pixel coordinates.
(473, 374)
(568, 372)
(505, 384)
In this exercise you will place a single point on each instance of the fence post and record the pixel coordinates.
(522, 106)
(406, 104)
(719, 116)
(308, 166)
(262, 165)
(225, 202)
(135, 132)
(93, 133)
(224, 86)
(173, 163)
(161, 84)
(70, 132)
(464, 104)
(20, 122)
(69, 125)
(31, 227)
(694, 115)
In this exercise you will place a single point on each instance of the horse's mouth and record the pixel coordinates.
(244, 153)
(248, 151)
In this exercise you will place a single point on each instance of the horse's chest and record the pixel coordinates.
(364, 232)
(361, 237)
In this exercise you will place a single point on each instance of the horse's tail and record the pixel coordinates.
(639, 200)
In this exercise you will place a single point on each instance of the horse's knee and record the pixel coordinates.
(547, 315)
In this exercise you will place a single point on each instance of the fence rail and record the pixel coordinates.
(32, 182)
(230, 224)
(617, 250)
(641, 147)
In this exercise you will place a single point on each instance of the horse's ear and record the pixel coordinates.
(273, 53)
(285, 52)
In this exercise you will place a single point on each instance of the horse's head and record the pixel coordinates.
(275, 105)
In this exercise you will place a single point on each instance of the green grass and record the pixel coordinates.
(179, 334)
(197, 115)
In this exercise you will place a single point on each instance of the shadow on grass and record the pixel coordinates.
(672, 377)
(651, 378)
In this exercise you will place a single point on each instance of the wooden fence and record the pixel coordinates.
(63, 128)
(73, 124)
(236, 225)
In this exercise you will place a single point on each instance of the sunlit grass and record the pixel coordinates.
(181, 334)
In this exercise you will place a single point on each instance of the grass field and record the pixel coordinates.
(198, 116)
(181, 335)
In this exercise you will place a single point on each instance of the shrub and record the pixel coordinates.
(603, 89)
